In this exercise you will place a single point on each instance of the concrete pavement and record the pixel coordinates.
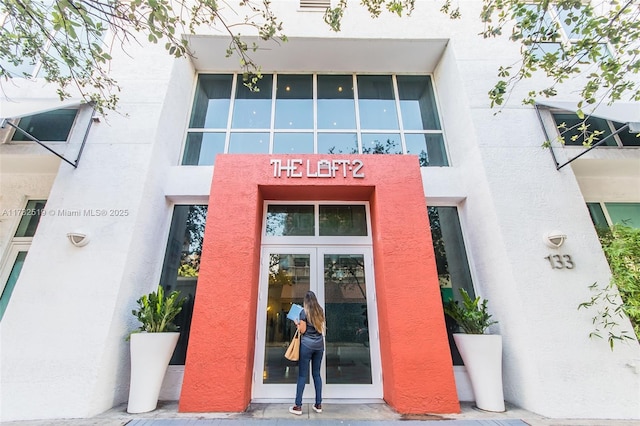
(333, 414)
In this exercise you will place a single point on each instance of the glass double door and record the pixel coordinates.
(342, 279)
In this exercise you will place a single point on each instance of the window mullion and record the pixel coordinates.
(315, 111)
(232, 101)
(396, 94)
(357, 106)
(274, 94)
(603, 206)
(616, 136)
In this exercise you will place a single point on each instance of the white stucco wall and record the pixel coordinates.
(63, 348)
(514, 196)
(64, 352)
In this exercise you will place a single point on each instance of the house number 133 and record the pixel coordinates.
(558, 261)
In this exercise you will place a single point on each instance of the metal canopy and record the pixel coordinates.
(621, 112)
(11, 110)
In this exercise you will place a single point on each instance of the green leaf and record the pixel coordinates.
(472, 316)
(156, 311)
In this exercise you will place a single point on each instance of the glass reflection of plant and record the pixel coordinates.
(290, 220)
(438, 243)
(345, 271)
(389, 147)
(193, 238)
(276, 224)
(348, 273)
(423, 158)
(278, 272)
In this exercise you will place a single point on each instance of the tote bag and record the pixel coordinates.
(293, 351)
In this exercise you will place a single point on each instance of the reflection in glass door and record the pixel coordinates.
(342, 279)
(288, 281)
(348, 356)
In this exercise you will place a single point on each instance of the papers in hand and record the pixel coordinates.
(294, 312)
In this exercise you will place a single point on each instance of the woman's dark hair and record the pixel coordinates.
(314, 312)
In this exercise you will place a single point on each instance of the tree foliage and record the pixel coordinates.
(63, 40)
(561, 39)
(568, 38)
(67, 39)
(620, 298)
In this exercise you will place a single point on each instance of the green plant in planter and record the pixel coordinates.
(156, 311)
(472, 315)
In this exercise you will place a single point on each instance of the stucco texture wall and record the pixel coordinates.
(417, 367)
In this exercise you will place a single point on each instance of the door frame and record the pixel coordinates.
(276, 392)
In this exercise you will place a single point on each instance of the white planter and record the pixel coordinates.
(150, 356)
(482, 357)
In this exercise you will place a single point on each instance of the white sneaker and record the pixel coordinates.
(317, 408)
(297, 410)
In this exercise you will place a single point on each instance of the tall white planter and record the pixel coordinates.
(150, 356)
(482, 357)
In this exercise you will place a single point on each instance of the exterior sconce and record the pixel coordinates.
(78, 239)
(554, 238)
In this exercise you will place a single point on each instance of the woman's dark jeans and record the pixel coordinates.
(315, 357)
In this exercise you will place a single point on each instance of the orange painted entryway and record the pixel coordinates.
(416, 361)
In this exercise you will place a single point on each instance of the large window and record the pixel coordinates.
(182, 266)
(309, 113)
(451, 262)
(575, 131)
(18, 249)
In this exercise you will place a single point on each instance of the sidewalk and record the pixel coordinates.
(333, 414)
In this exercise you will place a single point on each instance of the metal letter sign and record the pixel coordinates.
(293, 168)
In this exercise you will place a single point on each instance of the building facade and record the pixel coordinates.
(369, 168)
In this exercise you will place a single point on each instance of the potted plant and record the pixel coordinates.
(152, 346)
(480, 352)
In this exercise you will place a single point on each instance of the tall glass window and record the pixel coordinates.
(210, 111)
(377, 102)
(30, 218)
(181, 266)
(417, 103)
(336, 105)
(451, 262)
(18, 250)
(7, 290)
(252, 108)
(310, 113)
(294, 102)
(211, 102)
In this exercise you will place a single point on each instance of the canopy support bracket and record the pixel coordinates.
(595, 145)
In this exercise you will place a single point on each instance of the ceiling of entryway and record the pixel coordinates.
(324, 55)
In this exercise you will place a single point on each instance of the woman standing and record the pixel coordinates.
(312, 327)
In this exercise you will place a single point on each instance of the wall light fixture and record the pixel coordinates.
(554, 238)
(78, 239)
